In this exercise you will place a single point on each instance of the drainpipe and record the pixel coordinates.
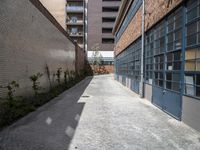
(142, 52)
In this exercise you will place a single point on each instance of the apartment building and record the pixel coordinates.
(170, 50)
(101, 15)
(75, 20)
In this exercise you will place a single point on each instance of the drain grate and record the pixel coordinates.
(85, 96)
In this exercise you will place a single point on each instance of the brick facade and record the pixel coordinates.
(154, 11)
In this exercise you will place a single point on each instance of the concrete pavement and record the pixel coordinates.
(99, 114)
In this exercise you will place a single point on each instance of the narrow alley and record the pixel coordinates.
(99, 114)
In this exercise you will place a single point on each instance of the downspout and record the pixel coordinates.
(142, 52)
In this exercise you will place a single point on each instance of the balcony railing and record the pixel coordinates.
(76, 34)
(75, 8)
(75, 22)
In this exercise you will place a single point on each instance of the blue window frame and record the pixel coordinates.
(159, 49)
(149, 54)
(192, 52)
(174, 50)
(128, 63)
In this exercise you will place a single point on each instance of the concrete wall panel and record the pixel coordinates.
(148, 91)
(29, 42)
(190, 112)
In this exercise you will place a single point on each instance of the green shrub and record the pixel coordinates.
(35, 82)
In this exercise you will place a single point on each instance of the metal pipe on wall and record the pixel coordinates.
(142, 52)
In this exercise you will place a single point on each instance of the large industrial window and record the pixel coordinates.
(149, 47)
(174, 49)
(128, 63)
(159, 49)
(192, 53)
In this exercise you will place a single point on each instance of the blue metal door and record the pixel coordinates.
(135, 86)
(158, 97)
(172, 103)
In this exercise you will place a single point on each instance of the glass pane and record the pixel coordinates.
(177, 65)
(176, 77)
(177, 55)
(192, 14)
(189, 79)
(169, 76)
(170, 47)
(170, 37)
(168, 85)
(178, 44)
(198, 79)
(191, 4)
(175, 86)
(190, 65)
(169, 57)
(197, 53)
(178, 23)
(192, 28)
(161, 83)
(178, 35)
(198, 65)
(198, 91)
(190, 54)
(189, 89)
(169, 66)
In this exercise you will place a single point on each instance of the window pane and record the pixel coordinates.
(177, 55)
(175, 86)
(198, 53)
(176, 77)
(190, 54)
(198, 91)
(189, 79)
(192, 14)
(191, 4)
(168, 85)
(198, 65)
(192, 28)
(169, 57)
(189, 89)
(170, 46)
(169, 76)
(190, 65)
(177, 66)
(191, 40)
(198, 79)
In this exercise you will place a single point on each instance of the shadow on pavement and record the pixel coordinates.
(51, 127)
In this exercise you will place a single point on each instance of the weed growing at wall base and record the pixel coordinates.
(17, 108)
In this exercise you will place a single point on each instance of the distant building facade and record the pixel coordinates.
(101, 15)
(75, 21)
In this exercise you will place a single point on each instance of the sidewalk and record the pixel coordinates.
(99, 114)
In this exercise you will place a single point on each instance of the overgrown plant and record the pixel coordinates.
(58, 74)
(35, 82)
(11, 87)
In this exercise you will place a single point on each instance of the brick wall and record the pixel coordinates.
(154, 10)
(29, 42)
